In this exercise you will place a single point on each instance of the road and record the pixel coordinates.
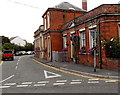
(25, 75)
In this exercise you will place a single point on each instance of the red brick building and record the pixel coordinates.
(103, 21)
(53, 19)
(69, 27)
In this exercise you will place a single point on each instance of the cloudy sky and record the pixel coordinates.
(22, 17)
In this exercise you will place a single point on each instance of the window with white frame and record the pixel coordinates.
(92, 35)
(64, 41)
(45, 22)
(48, 20)
(82, 39)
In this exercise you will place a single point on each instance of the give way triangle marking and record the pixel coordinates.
(51, 74)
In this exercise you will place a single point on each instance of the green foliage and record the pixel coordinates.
(5, 40)
(112, 48)
(8, 46)
(29, 47)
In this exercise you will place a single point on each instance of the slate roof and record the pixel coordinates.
(67, 6)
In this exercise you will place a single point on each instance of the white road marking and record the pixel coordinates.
(1, 63)
(21, 85)
(10, 84)
(16, 67)
(7, 78)
(75, 82)
(39, 84)
(4, 86)
(17, 63)
(51, 76)
(110, 81)
(61, 81)
(58, 83)
(27, 83)
(93, 81)
(43, 82)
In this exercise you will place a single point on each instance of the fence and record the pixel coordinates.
(59, 56)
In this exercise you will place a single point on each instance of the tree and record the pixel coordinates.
(5, 40)
(8, 46)
(29, 47)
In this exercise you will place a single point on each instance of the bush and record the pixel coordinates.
(112, 48)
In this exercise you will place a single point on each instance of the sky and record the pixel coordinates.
(23, 17)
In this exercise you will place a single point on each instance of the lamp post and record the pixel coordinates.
(93, 34)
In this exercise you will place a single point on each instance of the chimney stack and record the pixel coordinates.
(84, 4)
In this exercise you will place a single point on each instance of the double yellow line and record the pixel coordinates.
(76, 74)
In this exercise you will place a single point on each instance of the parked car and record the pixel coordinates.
(29, 52)
(18, 53)
(23, 52)
(7, 54)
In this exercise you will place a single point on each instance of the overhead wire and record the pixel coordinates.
(24, 4)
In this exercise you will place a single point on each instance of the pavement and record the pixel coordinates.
(82, 69)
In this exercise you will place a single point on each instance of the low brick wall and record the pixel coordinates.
(111, 63)
(107, 63)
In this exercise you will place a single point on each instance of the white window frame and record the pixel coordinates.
(45, 23)
(82, 39)
(48, 20)
(64, 40)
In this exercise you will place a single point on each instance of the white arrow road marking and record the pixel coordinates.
(4, 86)
(51, 76)
(7, 78)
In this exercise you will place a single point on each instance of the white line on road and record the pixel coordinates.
(43, 82)
(21, 85)
(7, 78)
(17, 63)
(4, 86)
(58, 83)
(16, 67)
(93, 81)
(61, 81)
(10, 84)
(75, 82)
(39, 84)
(1, 63)
(27, 83)
(110, 81)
